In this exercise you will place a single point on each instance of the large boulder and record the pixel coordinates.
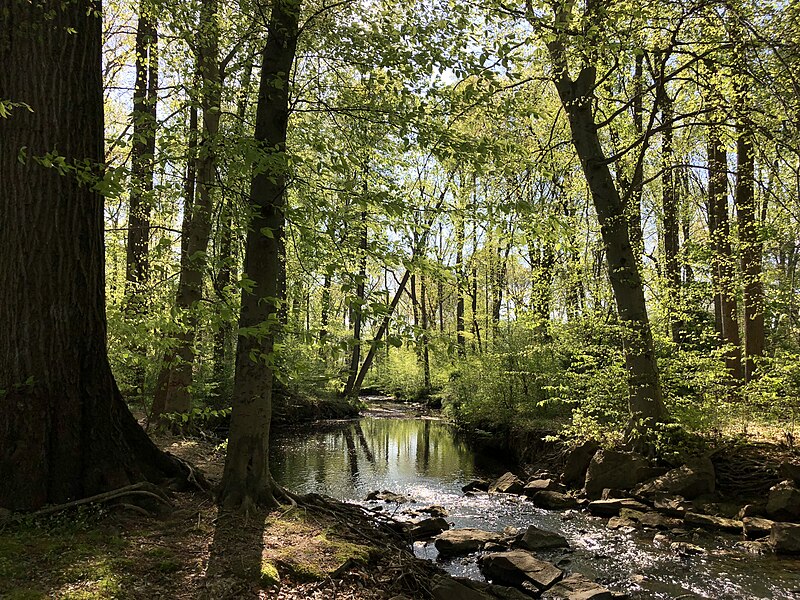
(427, 528)
(611, 508)
(690, 481)
(577, 587)
(783, 503)
(519, 568)
(464, 541)
(615, 470)
(785, 538)
(578, 459)
(540, 539)
(508, 483)
(554, 500)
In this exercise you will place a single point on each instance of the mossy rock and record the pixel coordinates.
(269, 575)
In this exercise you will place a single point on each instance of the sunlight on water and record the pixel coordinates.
(426, 460)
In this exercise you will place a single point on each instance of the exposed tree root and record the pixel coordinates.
(143, 489)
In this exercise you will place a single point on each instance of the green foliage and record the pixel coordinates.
(401, 374)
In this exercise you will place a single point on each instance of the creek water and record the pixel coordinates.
(427, 460)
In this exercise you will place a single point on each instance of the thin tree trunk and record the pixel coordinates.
(223, 338)
(143, 150)
(634, 208)
(672, 270)
(645, 402)
(172, 393)
(722, 263)
(426, 360)
(750, 252)
(65, 431)
(246, 481)
(325, 307)
(191, 180)
(356, 311)
(382, 329)
(461, 344)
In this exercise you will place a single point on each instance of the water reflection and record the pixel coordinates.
(348, 460)
(426, 460)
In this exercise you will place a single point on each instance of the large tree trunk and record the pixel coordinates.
(246, 480)
(65, 431)
(172, 393)
(645, 402)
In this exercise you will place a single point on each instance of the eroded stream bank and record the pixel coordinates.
(424, 459)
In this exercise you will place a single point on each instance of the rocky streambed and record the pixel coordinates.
(606, 525)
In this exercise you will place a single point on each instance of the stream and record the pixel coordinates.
(425, 458)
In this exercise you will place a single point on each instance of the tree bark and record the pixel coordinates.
(172, 393)
(750, 242)
(670, 243)
(461, 343)
(357, 310)
(227, 271)
(65, 431)
(722, 264)
(382, 329)
(246, 480)
(143, 150)
(426, 359)
(645, 402)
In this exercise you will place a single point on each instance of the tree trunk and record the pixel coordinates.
(143, 150)
(325, 303)
(645, 402)
(426, 359)
(226, 275)
(634, 208)
(382, 329)
(246, 480)
(722, 264)
(461, 344)
(357, 309)
(172, 393)
(65, 431)
(669, 196)
(750, 251)
(542, 258)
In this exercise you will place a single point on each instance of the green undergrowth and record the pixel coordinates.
(310, 549)
(92, 554)
(62, 560)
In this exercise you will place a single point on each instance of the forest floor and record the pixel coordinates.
(331, 552)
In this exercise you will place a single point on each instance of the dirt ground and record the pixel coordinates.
(324, 551)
